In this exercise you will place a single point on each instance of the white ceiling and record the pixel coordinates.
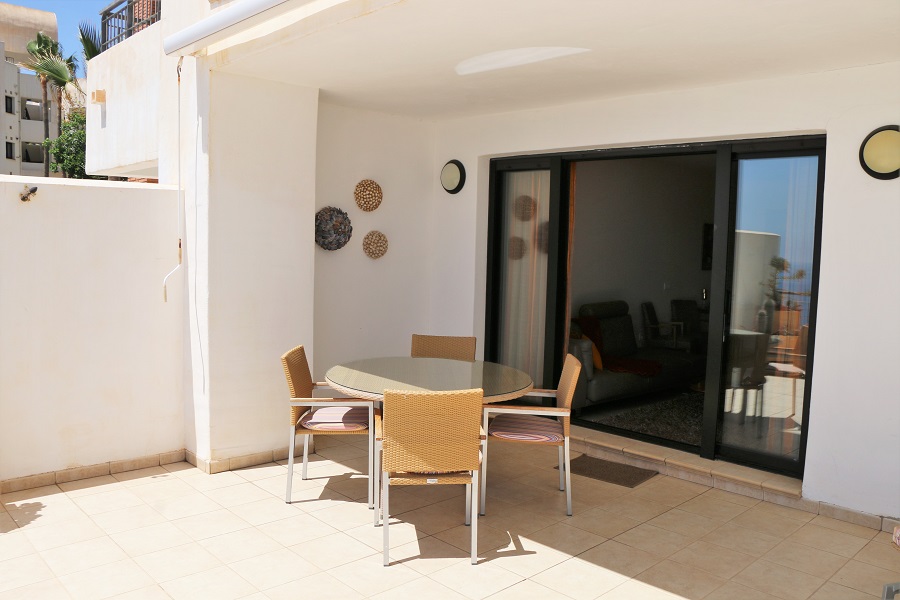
(400, 58)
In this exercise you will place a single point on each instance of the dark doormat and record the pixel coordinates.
(611, 472)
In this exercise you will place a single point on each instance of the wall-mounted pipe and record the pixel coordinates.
(226, 22)
(180, 194)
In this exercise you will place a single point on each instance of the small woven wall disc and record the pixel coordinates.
(516, 248)
(333, 228)
(524, 208)
(368, 195)
(375, 244)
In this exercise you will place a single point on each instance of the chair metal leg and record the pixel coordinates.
(385, 485)
(290, 473)
(563, 469)
(305, 455)
(468, 504)
(484, 453)
(568, 480)
(371, 471)
(474, 519)
(377, 483)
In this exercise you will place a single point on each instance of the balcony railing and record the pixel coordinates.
(124, 18)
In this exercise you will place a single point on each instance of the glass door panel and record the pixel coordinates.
(523, 270)
(764, 374)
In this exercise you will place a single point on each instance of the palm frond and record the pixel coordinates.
(90, 39)
(54, 68)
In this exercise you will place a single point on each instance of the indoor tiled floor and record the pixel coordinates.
(175, 532)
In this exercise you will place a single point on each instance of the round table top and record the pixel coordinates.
(368, 378)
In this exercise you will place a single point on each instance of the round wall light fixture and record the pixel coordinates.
(453, 176)
(879, 153)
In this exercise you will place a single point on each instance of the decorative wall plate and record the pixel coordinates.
(368, 195)
(333, 228)
(375, 244)
(524, 208)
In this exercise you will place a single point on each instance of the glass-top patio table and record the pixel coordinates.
(368, 378)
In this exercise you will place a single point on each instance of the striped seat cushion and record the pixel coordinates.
(336, 418)
(526, 428)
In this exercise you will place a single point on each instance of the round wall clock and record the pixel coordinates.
(453, 176)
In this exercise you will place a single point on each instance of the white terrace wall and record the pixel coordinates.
(853, 456)
(90, 355)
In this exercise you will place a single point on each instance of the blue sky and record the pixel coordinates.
(68, 14)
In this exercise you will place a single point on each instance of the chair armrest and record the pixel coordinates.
(330, 402)
(542, 393)
(545, 411)
(379, 426)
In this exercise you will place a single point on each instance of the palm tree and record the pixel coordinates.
(89, 36)
(51, 68)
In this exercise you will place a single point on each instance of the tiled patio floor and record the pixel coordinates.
(175, 532)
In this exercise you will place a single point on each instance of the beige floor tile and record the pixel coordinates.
(638, 590)
(239, 545)
(833, 591)
(864, 577)
(45, 494)
(28, 515)
(602, 522)
(420, 588)
(778, 581)
(579, 579)
(681, 579)
(428, 554)
(529, 590)
(296, 530)
(806, 559)
(714, 508)
(22, 571)
(368, 576)
(345, 515)
(273, 569)
(880, 555)
(49, 589)
(512, 491)
(201, 482)
(741, 539)
(241, 493)
(719, 494)
(185, 505)
(714, 559)
(210, 524)
(164, 489)
(91, 485)
(844, 527)
(7, 523)
(343, 453)
(172, 563)
(15, 544)
(736, 591)
(783, 511)
(128, 518)
(435, 517)
(619, 558)
(82, 555)
(315, 498)
(321, 586)
(488, 538)
(517, 519)
(634, 507)
(686, 523)
(332, 550)
(768, 523)
(524, 558)
(215, 584)
(152, 592)
(669, 491)
(144, 540)
(106, 581)
(143, 476)
(830, 540)
(476, 581)
(265, 511)
(68, 532)
(565, 538)
(257, 472)
(655, 540)
(352, 486)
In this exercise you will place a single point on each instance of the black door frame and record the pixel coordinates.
(726, 154)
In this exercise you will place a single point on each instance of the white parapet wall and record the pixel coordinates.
(90, 356)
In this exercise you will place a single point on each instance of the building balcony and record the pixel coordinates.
(123, 18)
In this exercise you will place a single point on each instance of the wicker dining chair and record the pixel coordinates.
(322, 416)
(530, 425)
(443, 346)
(431, 438)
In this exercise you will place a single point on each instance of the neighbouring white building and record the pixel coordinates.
(22, 119)
(264, 111)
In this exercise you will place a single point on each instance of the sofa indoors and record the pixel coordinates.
(628, 370)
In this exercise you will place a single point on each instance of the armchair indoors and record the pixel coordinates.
(688, 313)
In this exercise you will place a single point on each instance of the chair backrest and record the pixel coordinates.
(299, 379)
(565, 391)
(431, 432)
(651, 323)
(443, 346)
(688, 313)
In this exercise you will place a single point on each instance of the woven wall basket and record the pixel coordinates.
(368, 195)
(375, 244)
(333, 228)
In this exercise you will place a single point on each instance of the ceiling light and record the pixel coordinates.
(515, 57)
